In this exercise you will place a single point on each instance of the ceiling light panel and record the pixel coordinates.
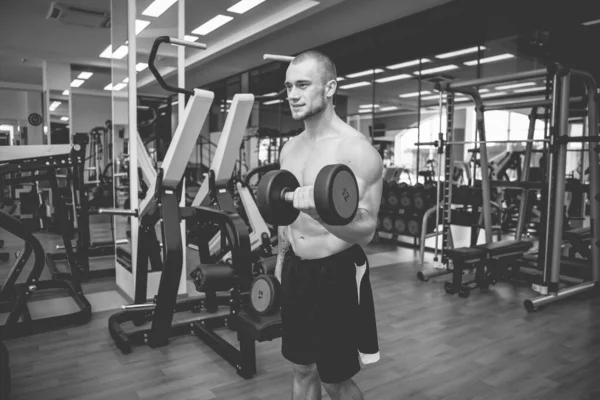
(158, 7)
(408, 64)
(460, 52)
(244, 5)
(212, 24)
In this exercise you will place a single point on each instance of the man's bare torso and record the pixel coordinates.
(308, 238)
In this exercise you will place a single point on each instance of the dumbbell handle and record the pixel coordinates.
(288, 196)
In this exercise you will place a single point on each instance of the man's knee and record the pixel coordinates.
(305, 371)
(333, 388)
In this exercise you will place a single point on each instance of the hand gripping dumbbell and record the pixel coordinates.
(335, 193)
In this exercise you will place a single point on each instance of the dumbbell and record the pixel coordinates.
(265, 266)
(399, 225)
(335, 194)
(265, 294)
(387, 222)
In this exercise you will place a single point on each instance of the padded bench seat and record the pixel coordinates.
(584, 233)
(506, 248)
(466, 254)
(259, 327)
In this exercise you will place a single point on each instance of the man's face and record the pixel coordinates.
(306, 89)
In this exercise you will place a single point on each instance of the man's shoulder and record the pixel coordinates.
(290, 143)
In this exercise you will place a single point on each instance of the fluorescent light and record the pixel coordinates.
(415, 94)
(499, 57)
(340, 78)
(484, 90)
(158, 7)
(388, 108)
(54, 105)
(267, 103)
(108, 87)
(434, 97)
(535, 89)
(365, 110)
(66, 93)
(126, 80)
(594, 22)
(393, 78)
(244, 5)
(459, 99)
(107, 53)
(140, 25)
(460, 52)
(363, 73)
(355, 85)
(212, 24)
(515, 85)
(120, 52)
(270, 94)
(119, 86)
(483, 96)
(190, 38)
(64, 118)
(77, 82)
(139, 67)
(436, 69)
(85, 75)
(408, 64)
(368, 105)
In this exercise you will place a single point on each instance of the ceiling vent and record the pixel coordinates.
(72, 15)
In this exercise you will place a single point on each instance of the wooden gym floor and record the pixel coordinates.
(433, 346)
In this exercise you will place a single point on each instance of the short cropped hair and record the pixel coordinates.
(329, 70)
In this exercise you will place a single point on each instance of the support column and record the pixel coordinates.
(56, 84)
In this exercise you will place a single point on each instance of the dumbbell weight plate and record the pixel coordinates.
(387, 223)
(419, 202)
(269, 197)
(336, 194)
(413, 227)
(265, 294)
(399, 225)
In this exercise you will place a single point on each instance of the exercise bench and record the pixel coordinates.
(491, 262)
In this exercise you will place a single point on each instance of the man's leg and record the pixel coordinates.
(307, 384)
(346, 390)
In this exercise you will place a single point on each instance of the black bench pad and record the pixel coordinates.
(506, 247)
(259, 327)
(466, 254)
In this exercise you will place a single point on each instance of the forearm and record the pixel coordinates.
(283, 245)
(359, 231)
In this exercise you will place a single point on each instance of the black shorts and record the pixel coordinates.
(319, 307)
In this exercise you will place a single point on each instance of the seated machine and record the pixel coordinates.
(163, 204)
(14, 297)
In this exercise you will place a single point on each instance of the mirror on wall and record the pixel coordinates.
(59, 117)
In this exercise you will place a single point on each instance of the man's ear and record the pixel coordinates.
(330, 88)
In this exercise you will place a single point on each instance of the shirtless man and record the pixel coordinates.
(315, 263)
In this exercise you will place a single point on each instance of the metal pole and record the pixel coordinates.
(515, 104)
(497, 79)
(439, 173)
(485, 175)
(560, 176)
(525, 174)
(594, 196)
(544, 256)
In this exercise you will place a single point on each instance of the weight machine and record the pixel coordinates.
(163, 204)
(41, 161)
(496, 256)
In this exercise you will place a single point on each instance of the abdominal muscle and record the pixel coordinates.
(310, 240)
